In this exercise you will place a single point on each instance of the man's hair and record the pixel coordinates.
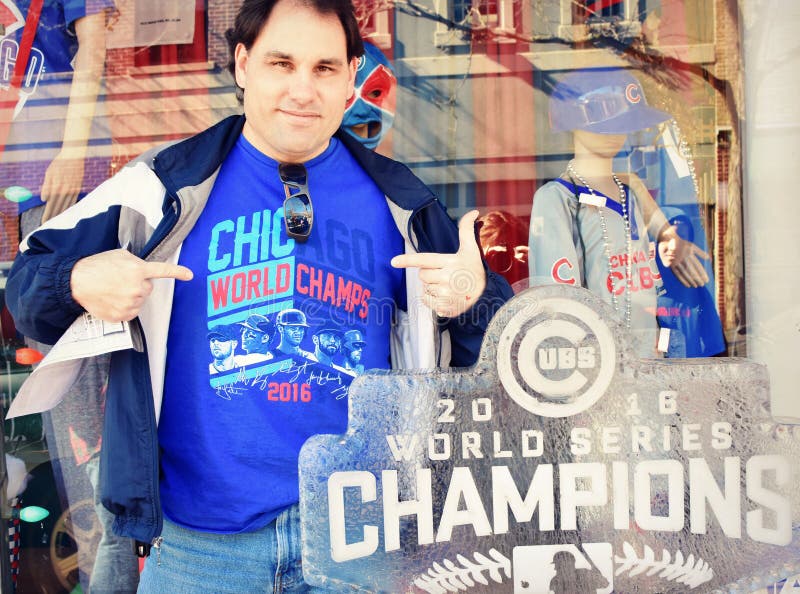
(254, 14)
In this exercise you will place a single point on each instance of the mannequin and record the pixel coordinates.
(596, 228)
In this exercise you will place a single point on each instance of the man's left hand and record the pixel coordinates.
(453, 282)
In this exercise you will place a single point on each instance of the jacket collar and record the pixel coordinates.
(189, 162)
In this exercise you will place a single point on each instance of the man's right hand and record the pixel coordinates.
(113, 285)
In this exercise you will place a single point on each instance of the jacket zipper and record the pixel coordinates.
(156, 544)
(159, 517)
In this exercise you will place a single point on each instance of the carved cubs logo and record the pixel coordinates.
(557, 361)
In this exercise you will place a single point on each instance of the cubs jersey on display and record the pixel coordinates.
(266, 338)
(568, 246)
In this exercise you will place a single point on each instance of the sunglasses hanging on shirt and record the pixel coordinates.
(298, 212)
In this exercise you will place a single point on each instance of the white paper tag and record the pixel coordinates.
(663, 340)
(592, 199)
(55, 374)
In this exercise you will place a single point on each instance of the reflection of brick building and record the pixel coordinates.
(165, 92)
(472, 108)
(474, 79)
(729, 244)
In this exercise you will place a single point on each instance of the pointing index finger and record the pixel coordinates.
(167, 270)
(420, 260)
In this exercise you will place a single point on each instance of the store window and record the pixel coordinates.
(491, 103)
(590, 10)
(374, 20)
(462, 21)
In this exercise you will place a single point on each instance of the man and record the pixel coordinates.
(228, 497)
(222, 343)
(353, 349)
(327, 342)
(256, 335)
(292, 327)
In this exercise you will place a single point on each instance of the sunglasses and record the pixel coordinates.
(298, 213)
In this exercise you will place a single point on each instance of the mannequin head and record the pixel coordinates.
(370, 112)
(602, 101)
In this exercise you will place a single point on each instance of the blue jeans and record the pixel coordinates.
(189, 562)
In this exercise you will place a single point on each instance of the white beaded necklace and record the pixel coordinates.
(607, 245)
(686, 153)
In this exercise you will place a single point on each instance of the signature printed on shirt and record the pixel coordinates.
(295, 372)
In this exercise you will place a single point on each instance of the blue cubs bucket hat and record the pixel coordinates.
(603, 101)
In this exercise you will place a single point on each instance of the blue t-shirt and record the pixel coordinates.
(266, 338)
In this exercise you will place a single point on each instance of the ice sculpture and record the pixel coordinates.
(559, 463)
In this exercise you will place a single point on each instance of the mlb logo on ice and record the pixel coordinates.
(563, 569)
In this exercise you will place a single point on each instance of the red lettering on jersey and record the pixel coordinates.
(364, 304)
(645, 278)
(253, 285)
(556, 272)
(330, 289)
(334, 289)
(239, 284)
(283, 279)
(612, 282)
(219, 291)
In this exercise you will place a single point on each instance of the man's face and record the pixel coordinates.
(254, 341)
(293, 334)
(221, 349)
(296, 81)
(354, 354)
(328, 343)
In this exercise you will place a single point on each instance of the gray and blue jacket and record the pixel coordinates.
(149, 207)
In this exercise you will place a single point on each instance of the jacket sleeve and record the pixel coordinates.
(436, 232)
(38, 292)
